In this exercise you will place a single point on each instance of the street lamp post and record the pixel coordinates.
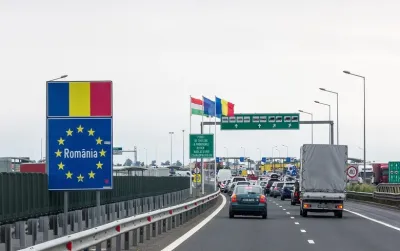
(279, 154)
(183, 148)
(146, 156)
(287, 151)
(337, 112)
(365, 147)
(320, 103)
(273, 160)
(171, 133)
(312, 125)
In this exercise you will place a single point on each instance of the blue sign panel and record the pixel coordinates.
(264, 159)
(217, 159)
(79, 153)
(241, 159)
(288, 160)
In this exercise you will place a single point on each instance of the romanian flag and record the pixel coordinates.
(79, 99)
(224, 108)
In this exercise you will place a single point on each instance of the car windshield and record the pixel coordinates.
(248, 190)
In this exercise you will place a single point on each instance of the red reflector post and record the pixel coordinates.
(185, 207)
(69, 246)
(195, 203)
(170, 211)
(118, 228)
(148, 218)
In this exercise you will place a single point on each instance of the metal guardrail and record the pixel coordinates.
(154, 223)
(393, 188)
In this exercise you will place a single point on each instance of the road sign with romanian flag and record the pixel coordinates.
(79, 135)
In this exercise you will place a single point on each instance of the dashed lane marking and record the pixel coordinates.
(311, 241)
(296, 223)
(287, 212)
(291, 217)
(302, 230)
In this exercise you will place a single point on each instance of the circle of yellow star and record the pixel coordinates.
(61, 141)
(98, 141)
(61, 166)
(58, 153)
(69, 132)
(80, 178)
(91, 175)
(80, 129)
(102, 153)
(91, 132)
(69, 175)
(99, 165)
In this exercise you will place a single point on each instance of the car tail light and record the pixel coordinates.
(233, 198)
(268, 185)
(263, 199)
(339, 206)
(296, 194)
(306, 205)
(276, 188)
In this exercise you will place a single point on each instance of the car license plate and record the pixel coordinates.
(248, 200)
(322, 206)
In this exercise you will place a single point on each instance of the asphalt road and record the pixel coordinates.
(286, 230)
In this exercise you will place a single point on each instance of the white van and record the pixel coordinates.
(224, 174)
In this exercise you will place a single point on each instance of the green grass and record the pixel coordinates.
(366, 188)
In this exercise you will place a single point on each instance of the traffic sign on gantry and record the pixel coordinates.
(201, 146)
(266, 121)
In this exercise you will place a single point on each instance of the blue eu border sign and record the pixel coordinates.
(79, 153)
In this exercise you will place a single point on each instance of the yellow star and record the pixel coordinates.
(99, 165)
(69, 132)
(80, 129)
(102, 153)
(69, 175)
(91, 132)
(61, 166)
(61, 141)
(80, 178)
(58, 153)
(91, 175)
(98, 141)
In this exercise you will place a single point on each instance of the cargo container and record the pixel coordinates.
(33, 168)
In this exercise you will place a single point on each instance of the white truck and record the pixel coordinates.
(323, 178)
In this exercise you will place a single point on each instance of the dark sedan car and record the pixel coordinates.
(286, 192)
(248, 200)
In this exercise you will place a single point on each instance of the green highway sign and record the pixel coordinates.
(394, 172)
(201, 146)
(264, 121)
(117, 150)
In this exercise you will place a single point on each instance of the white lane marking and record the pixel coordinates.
(280, 206)
(311, 241)
(296, 223)
(287, 212)
(192, 231)
(292, 217)
(302, 230)
(284, 209)
(376, 221)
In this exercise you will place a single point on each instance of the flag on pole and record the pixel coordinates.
(196, 106)
(208, 107)
(224, 108)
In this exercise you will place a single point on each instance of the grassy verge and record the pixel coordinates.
(366, 188)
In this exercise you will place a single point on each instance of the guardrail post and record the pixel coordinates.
(148, 235)
(118, 243)
(45, 222)
(108, 244)
(141, 235)
(154, 229)
(20, 233)
(79, 219)
(126, 241)
(5, 236)
(71, 217)
(34, 231)
(159, 226)
(135, 237)
(164, 225)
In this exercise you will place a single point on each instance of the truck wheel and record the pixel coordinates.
(282, 198)
(339, 214)
(304, 213)
(292, 203)
(231, 215)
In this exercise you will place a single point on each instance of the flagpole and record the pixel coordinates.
(190, 132)
(202, 164)
(215, 144)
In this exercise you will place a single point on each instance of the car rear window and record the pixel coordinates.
(248, 190)
(239, 179)
(279, 185)
(243, 183)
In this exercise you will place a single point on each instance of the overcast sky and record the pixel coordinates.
(263, 56)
